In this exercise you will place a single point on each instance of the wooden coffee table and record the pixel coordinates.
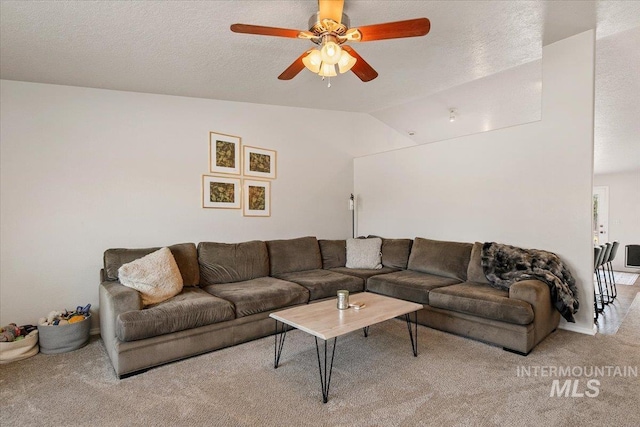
(323, 320)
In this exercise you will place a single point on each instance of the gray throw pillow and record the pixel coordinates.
(364, 253)
(474, 271)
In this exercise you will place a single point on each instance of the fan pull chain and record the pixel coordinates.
(329, 81)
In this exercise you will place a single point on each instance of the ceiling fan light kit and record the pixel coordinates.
(313, 61)
(327, 70)
(330, 50)
(346, 62)
(329, 29)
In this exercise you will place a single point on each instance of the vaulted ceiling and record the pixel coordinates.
(187, 49)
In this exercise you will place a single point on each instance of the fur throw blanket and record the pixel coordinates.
(504, 265)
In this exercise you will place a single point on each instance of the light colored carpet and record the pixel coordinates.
(623, 278)
(376, 382)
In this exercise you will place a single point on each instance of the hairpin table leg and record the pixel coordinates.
(279, 343)
(413, 334)
(325, 375)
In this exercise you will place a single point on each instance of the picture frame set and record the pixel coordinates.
(226, 186)
(221, 192)
(224, 153)
(256, 197)
(259, 162)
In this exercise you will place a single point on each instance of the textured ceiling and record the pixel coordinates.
(186, 48)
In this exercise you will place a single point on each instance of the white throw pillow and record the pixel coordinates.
(156, 276)
(364, 253)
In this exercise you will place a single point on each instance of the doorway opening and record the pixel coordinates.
(600, 215)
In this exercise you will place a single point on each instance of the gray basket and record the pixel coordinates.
(63, 338)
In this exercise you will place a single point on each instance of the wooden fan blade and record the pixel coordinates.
(330, 9)
(361, 68)
(395, 30)
(265, 31)
(294, 68)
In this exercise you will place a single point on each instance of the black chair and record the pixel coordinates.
(605, 293)
(597, 258)
(612, 256)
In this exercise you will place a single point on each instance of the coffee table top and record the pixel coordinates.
(324, 320)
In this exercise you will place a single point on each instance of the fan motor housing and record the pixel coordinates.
(327, 26)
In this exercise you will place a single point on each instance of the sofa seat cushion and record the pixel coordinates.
(260, 295)
(324, 283)
(363, 273)
(408, 285)
(482, 300)
(190, 309)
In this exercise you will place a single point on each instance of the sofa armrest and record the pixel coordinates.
(115, 299)
(545, 317)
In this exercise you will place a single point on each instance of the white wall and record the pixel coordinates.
(624, 211)
(527, 185)
(507, 98)
(84, 170)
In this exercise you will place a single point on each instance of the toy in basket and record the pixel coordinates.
(63, 331)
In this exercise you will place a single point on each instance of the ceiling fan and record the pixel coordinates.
(329, 29)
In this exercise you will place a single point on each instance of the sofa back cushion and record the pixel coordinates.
(184, 253)
(447, 259)
(475, 272)
(395, 252)
(232, 262)
(287, 256)
(334, 253)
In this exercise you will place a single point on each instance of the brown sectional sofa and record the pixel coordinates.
(299, 261)
(230, 290)
(447, 278)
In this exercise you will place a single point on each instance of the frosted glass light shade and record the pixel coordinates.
(313, 61)
(331, 53)
(327, 70)
(346, 62)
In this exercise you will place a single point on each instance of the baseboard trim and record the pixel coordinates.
(580, 329)
(94, 331)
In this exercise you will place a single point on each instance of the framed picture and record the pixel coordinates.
(257, 197)
(224, 153)
(221, 192)
(259, 162)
